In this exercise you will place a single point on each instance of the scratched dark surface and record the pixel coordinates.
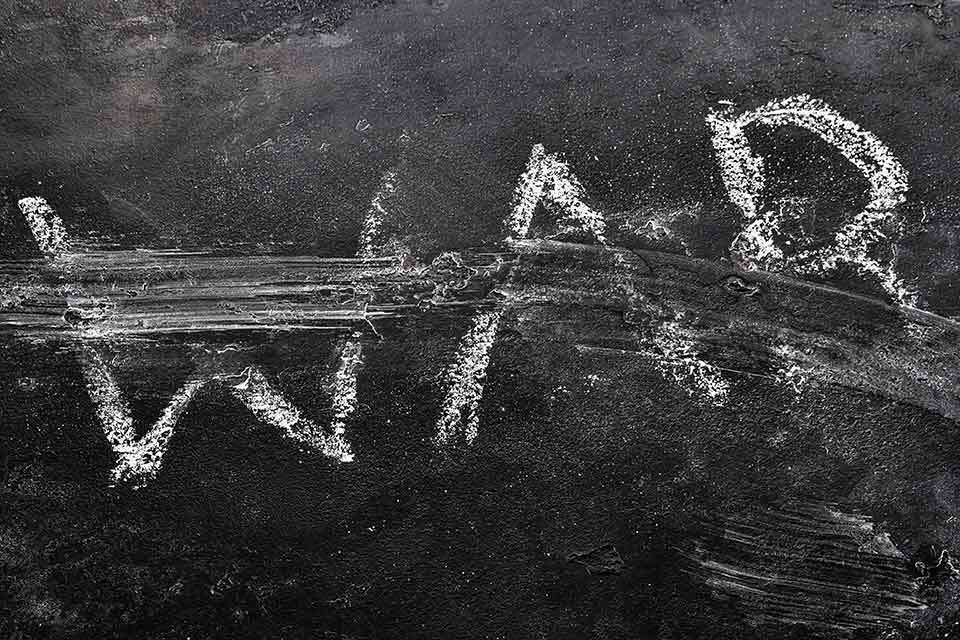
(600, 499)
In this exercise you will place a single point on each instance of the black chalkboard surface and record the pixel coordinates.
(456, 319)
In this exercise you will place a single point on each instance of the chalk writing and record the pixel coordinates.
(743, 175)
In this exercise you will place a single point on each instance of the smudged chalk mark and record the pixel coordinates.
(809, 564)
(743, 175)
(138, 459)
(45, 225)
(465, 377)
(270, 406)
(548, 179)
(789, 372)
(679, 359)
(345, 384)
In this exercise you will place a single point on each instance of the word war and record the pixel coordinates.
(679, 312)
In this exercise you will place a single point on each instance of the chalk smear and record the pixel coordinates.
(661, 224)
(679, 359)
(743, 176)
(789, 563)
(459, 414)
(549, 180)
(789, 372)
(45, 225)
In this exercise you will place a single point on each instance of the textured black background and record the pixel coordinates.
(244, 124)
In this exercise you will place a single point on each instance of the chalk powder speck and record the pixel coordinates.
(743, 176)
(466, 376)
(548, 179)
(45, 225)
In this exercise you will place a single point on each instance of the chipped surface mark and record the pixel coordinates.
(138, 459)
(548, 179)
(602, 560)
(743, 176)
(45, 225)
(270, 406)
(679, 359)
(809, 564)
(465, 378)
(345, 384)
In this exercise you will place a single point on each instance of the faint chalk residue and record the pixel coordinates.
(45, 225)
(680, 360)
(345, 384)
(368, 247)
(138, 459)
(548, 179)
(465, 377)
(270, 406)
(743, 176)
(790, 373)
(662, 224)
